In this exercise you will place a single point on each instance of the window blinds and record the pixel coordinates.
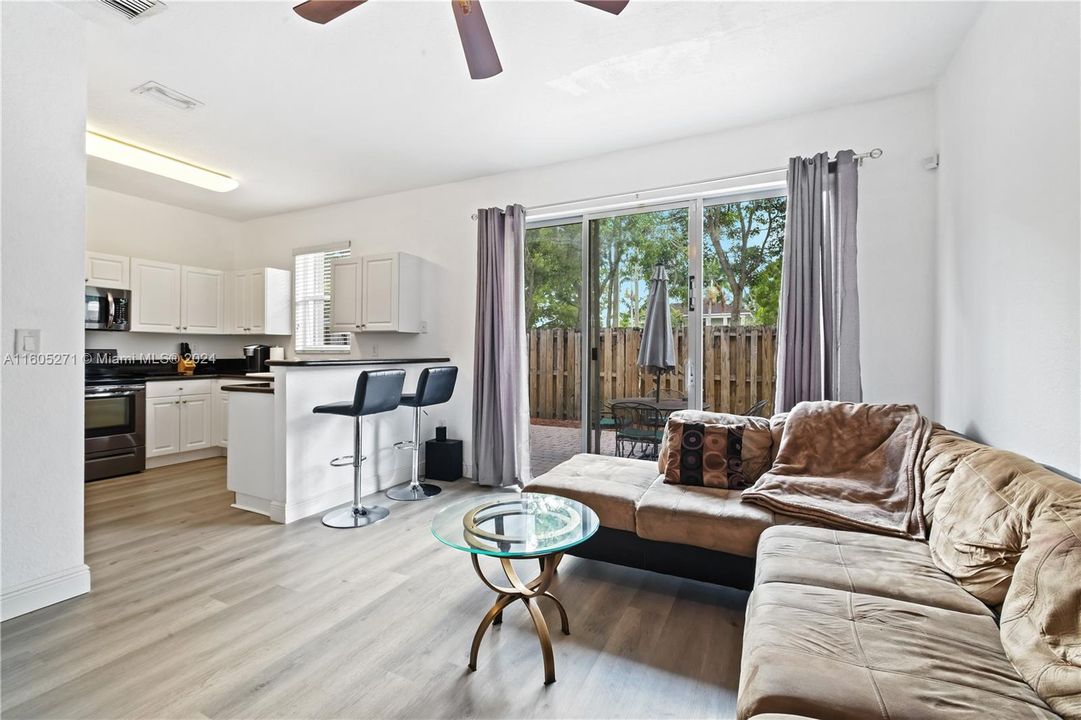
(313, 333)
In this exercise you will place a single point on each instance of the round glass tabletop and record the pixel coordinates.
(515, 524)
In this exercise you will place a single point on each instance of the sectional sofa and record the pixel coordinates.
(983, 620)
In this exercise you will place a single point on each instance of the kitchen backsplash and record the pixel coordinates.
(129, 343)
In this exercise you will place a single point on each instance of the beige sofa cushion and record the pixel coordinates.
(945, 451)
(709, 518)
(1041, 616)
(984, 517)
(859, 562)
(834, 654)
(611, 486)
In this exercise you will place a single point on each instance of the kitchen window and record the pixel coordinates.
(312, 301)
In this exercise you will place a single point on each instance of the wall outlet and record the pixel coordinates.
(424, 326)
(375, 350)
(27, 341)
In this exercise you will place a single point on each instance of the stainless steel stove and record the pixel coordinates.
(115, 412)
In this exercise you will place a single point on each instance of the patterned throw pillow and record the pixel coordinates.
(715, 450)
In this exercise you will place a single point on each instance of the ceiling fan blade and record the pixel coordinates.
(480, 54)
(323, 11)
(612, 6)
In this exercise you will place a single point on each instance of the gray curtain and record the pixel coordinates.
(818, 355)
(500, 390)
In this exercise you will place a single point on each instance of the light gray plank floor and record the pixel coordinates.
(200, 610)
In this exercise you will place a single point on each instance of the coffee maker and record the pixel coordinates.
(256, 357)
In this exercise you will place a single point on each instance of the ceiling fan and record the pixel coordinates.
(480, 54)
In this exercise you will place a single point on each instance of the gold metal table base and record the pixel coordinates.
(526, 592)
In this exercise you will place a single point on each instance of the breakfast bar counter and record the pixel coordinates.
(280, 452)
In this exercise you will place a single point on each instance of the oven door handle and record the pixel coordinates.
(112, 310)
(126, 393)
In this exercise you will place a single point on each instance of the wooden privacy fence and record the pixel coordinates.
(738, 367)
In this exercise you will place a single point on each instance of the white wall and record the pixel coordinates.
(127, 225)
(1008, 253)
(896, 231)
(41, 266)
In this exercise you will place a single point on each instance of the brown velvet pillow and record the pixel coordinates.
(1041, 616)
(715, 449)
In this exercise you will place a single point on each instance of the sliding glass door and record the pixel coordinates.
(742, 238)
(587, 280)
(554, 306)
(626, 249)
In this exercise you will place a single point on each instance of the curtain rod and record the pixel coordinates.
(873, 154)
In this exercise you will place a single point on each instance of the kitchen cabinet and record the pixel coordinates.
(196, 422)
(107, 271)
(345, 296)
(162, 426)
(171, 298)
(221, 415)
(260, 302)
(179, 416)
(155, 290)
(202, 296)
(376, 293)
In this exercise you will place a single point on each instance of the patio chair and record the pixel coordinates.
(757, 408)
(637, 432)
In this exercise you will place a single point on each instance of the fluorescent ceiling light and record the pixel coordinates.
(118, 151)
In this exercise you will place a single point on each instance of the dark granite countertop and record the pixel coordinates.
(197, 376)
(262, 387)
(358, 361)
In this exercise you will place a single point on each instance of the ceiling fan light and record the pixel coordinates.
(124, 153)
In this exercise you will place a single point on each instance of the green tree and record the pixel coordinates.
(553, 276)
(742, 241)
(766, 294)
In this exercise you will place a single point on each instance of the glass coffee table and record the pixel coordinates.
(517, 526)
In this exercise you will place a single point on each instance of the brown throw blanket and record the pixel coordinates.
(849, 465)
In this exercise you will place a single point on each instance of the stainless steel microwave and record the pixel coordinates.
(107, 309)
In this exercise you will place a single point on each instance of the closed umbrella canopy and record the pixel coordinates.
(657, 353)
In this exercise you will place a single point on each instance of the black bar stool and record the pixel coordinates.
(377, 391)
(434, 387)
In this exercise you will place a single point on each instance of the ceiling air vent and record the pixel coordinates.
(167, 96)
(135, 10)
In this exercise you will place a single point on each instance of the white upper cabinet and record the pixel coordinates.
(202, 294)
(155, 290)
(261, 302)
(345, 295)
(108, 271)
(376, 293)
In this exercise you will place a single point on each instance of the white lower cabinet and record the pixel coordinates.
(196, 422)
(162, 426)
(184, 416)
(221, 416)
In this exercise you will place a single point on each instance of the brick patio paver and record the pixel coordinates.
(550, 445)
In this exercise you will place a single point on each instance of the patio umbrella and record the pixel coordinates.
(657, 353)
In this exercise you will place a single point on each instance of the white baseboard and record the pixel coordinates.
(176, 458)
(44, 591)
(252, 504)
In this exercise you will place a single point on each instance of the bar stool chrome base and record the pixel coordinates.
(354, 517)
(408, 491)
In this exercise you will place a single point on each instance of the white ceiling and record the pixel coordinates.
(380, 99)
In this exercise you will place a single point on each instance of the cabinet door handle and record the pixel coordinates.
(177, 327)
